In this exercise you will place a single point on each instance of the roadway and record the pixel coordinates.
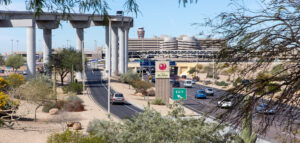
(98, 89)
(209, 107)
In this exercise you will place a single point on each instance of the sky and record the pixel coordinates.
(158, 17)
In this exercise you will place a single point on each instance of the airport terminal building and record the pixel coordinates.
(173, 47)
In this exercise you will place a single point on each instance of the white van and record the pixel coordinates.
(188, 83)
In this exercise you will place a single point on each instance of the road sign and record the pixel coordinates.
(150, 77)
(192, 75)
(162, 69)
(179, 93)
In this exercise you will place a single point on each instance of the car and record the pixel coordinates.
(153, 79)
(200, 94)
(193, 81)
(264, 109)
(117, 98)
(226, 102)
(176, 84)
(24, 72)
(188, 83)
(171, 80)
(209, 91)
(183, 76)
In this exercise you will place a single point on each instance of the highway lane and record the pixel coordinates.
(98, 88)
(209, 107)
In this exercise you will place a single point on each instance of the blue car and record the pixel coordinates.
(200, 94)
(263, 109)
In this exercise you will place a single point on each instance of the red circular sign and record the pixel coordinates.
(162, 66)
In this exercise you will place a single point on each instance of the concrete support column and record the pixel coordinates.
(79, 46)
(107, 60)
(121, 50)
(47, 35)
(31, 51)
(126, 30)
(114, 51)
(79, 39)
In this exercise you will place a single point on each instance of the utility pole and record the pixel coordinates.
(17, 45)
(109, 67)
(213, 68)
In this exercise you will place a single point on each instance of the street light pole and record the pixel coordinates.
(12, 46)
(109, 67)
(213, 68)
(17, 45)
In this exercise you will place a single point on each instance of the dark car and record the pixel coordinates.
(153, 79)
(176, 84)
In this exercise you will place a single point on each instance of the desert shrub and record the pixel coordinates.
(278, 69)
(228, 79)
(49, 105)
(237, 81)
(74, 137)
(192, 70)
(3, 100)
(15, 80)
(6, 103)
(3, 84)
(158, 101)
(151, 126)
(196, 78)
(73, 104)
(210, 75)
(222, 83)
(142, 86)
(151, 92)
(207, 82)
(73, 87)
(129, 77)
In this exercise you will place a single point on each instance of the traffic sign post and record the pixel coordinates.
(179, 94)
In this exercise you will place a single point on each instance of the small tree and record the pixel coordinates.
(14, 61)
(37, 90)
(65, 61)
(2, 62)
(151, 126)
(192, 70)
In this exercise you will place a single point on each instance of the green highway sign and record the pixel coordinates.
(179, 93)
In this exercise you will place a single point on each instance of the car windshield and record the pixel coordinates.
(263, 105)
(118, 95)
(200, 91)
(209, 89)
(227, 99)
(188, 82)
